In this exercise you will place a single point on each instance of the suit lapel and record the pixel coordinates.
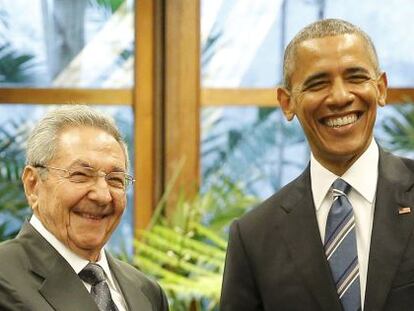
(390, 230)
(59, 286)
(300, 230)
(63, 290)
(131, 288)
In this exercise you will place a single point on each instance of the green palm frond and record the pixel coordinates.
(113, 5)
(15, 66)
(13, 206)
(400, 129)
(186, 252)
(188, 264)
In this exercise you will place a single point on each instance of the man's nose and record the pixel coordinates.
(340, 95)
(100, 191)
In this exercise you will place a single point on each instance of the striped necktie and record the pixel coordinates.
(94, 275)
(341, 248)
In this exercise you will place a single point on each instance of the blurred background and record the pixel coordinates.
(191, 84)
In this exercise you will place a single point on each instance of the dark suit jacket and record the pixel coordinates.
(33, 276)
(275, 258)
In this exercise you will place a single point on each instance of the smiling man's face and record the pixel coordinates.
(81, 214)
(334, 94)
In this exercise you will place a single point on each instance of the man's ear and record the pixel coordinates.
(31, 180)
(285, 102)
(382, 85)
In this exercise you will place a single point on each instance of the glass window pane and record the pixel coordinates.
(240, 42)
(259, 150)
(16, 122)
(395, 128)
(77, 43)
(252, 147)
(243, 41)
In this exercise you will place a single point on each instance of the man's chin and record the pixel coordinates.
(343, 150)
(88, 245)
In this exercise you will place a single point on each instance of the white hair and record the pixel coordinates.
(43, 140)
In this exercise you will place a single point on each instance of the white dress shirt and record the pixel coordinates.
(78, 263)
(362, 176)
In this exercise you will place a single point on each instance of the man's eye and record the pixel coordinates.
(358, 78)
(77, 173)
(116, 181)
(79, 176)
(316, 86)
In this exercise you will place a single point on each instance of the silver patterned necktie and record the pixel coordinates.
(341, 247)
(94, 275)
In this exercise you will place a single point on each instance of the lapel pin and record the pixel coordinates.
(404, 210)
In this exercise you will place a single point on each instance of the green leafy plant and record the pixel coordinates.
(113, 5)
(15, 66)
(400, 129)
(186, 252)
(13, 205)
(188, 263)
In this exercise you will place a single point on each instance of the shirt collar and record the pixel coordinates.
(362, 176)
(75, 261)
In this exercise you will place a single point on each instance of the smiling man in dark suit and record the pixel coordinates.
(75, 181)
(340, 236)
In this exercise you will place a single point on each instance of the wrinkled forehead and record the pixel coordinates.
(340, 50)
(90, 144)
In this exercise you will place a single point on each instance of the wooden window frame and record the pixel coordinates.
(266, 97)
(141, 100)
(166, 100)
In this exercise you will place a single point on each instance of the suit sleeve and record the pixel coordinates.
(239, 291)
(9, 298)
(164, 301)
(156, 295)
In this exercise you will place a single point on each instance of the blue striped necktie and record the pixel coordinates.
(341, 248)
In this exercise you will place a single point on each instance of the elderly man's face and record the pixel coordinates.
(82, 216)
(335, 93)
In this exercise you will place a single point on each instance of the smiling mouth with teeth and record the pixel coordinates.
(91, 216)
(341, 121)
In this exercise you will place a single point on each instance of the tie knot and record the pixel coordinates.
(340, 187)
(92, 274)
